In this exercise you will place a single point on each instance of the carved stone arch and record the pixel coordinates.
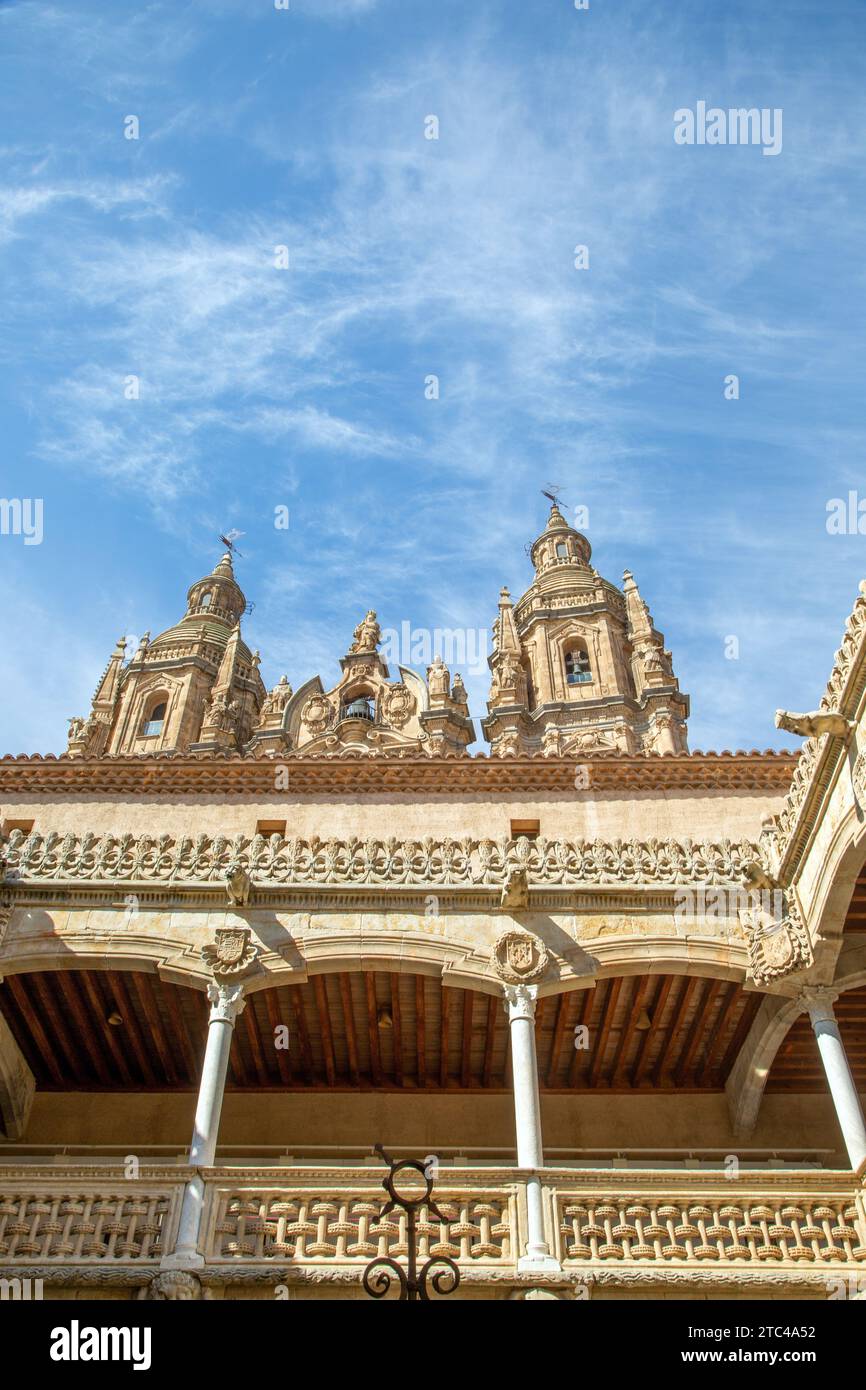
(749, 1076)
(828, 895)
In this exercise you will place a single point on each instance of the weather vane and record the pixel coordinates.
(229, 542)
(553, 491)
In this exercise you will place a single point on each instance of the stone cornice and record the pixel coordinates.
(441, 776)
(817, 766)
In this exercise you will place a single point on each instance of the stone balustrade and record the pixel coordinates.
(792, 1228)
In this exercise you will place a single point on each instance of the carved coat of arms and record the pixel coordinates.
(233, 953)
(519, 956)
(777, 947)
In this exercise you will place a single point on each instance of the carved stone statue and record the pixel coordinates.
(238, 884)
(815, 724)
(438, 677)
(458, 691)
(367, 635)
(515, 890)
(276, 700)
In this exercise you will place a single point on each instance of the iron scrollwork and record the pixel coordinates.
(380, 1273)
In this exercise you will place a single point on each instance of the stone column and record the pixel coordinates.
(227, 1004)
(231, 958)
(849, 1112)
(520, 1003)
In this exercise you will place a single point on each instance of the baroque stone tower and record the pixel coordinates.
(578, 666)
(196, 687)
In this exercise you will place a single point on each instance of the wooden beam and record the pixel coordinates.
(494, 1007)
(688, 989)
(296, 996)
(325, 1028)
(656, 1014)
(282, 1054)
(69, 990)
(251, 1023)
(143, 984)
(100, 1011)
(421, 1031)
(444, 1032)
(639, 990)
(117, 983)
(751, 1004)
(587, 1008)
(696, 1032)
(373, 1028)
(397, 1029)
(719, 1033)
(466, 1049)
(349, 1023)
(173, 998)
(31, 1016)
(604, 1031)
(22, 1037)
(556, 1041)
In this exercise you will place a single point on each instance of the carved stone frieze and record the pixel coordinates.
(275, 860)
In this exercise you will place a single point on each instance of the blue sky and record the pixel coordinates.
(262, 387)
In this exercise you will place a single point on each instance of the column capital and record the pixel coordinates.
(818, 1001)
(227, 1001)
(520, 1001)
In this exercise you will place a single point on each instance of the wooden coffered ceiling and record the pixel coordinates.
(375, 1030)
(378, 1030)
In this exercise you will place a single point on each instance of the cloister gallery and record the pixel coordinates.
(299, 923)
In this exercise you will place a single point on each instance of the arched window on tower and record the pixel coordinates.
(577, 668)
(561, 550)
(155, 719)
(206, 600)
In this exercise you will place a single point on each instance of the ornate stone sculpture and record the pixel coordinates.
(777, 946)
(519, 957)
(398, 705)
(515, 890)
(367, 634)
(276, 700)
(238, 885)
(815, 724)
(174, 1285)
(438, 677)
(232, 955)
(316, 714)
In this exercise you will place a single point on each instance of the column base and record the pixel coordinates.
(182, 1259)
(538, 1262)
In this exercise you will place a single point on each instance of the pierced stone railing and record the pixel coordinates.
(67, 1222)
(786, 1226)
(337, 1224)
(794, 1228)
